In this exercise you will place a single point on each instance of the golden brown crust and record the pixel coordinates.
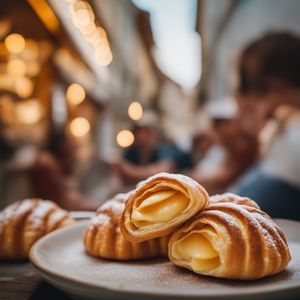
(103, 238)
(24, 222)
(249, 243)
(233, 198)
(195, 193)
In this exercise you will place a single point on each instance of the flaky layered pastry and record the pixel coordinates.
(24, 222)
(160, 204)
(233, 198)
(229, 240)
(103, 238)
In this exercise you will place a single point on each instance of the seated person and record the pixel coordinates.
(202, 143)
(232, 154)
(269, 78)
(53, 178)
(145, 157)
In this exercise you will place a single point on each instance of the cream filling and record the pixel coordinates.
(160, 207)
(197, 251)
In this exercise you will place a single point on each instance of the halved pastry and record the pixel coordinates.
(160, 204)
(24, 222)
(233, 198)
(103, 238)
(230, 241)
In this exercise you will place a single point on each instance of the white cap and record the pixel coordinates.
(149, 118)
(224, 108)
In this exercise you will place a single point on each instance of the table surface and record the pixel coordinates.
(22, 282)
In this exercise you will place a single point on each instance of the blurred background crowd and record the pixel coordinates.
(97, 95)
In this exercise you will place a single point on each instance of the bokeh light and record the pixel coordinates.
(16, 67)
(135, 111)
(33, 68)
(125, 138)
(15, 43)
(103, 55)
(29, 112)
(79, 127)
(24, 87)
(75, 94)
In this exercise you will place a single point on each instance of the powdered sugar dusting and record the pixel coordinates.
(114, 206)
(57, 215)
(101, 219)
(232, 198)
(43, 207)
(24, 207)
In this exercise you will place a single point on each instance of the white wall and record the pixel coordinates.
(251, 19)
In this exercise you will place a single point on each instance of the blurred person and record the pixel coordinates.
(202, 142)
(230, 156)
(145, 157)
(53, 175)
(268, 80)
(148, 156)
(212, 157)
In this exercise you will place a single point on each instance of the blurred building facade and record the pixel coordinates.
(227, 26)
(69, 76)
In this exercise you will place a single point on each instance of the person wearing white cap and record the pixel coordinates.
(232, 153)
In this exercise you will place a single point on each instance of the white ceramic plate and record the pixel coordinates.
(60, 258)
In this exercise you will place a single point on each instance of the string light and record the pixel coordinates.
(75, 94)
(33, 68)
(83, 18)
(103, 56)
(135, 111)
(29, 112)
(82, 13)
(15, 43)
(79, 127)
(24, 87)
(16, 67)
(125, 138)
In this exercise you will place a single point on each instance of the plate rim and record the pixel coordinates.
(59, 276)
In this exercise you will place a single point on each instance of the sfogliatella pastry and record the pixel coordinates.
(233, 198)
(24, 222)
(229, 240)
(103, 238)
(160, 204)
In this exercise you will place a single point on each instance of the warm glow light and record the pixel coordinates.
(101, 33)
(83, 17)
(24, 87)
(33, 68)
(29, 112)
(92, 36)
(82, 13)
(79, 127)
(103, 55)
(16, 67)
(135, 111)
(125, 138)
(97, 37)
(88, 29)
(15, 43)
(75, 94)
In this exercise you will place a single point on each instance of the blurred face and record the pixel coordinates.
(256, 95)
(145, 138)
(224, 129)
(254, 110)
